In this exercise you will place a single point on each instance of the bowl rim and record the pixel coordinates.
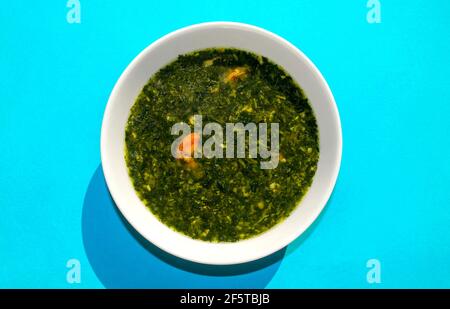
(238, 26)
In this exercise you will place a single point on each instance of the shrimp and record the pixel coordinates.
(187, 148)
(235, 74)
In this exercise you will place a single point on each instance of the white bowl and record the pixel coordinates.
(162, 52)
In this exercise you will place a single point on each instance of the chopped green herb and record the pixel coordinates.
(220, 199)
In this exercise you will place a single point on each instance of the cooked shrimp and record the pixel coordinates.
(235, 74)
(187, 147)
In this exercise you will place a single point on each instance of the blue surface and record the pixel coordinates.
(391, 83)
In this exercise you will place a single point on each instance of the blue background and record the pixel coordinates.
(391, 202)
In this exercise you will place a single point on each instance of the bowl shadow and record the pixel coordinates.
(122, 258)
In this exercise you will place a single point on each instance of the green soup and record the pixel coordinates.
(220, 199)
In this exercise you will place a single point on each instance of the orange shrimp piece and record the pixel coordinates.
(187, 146)
(236, 74)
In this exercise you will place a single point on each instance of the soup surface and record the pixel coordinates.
(220, 199)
